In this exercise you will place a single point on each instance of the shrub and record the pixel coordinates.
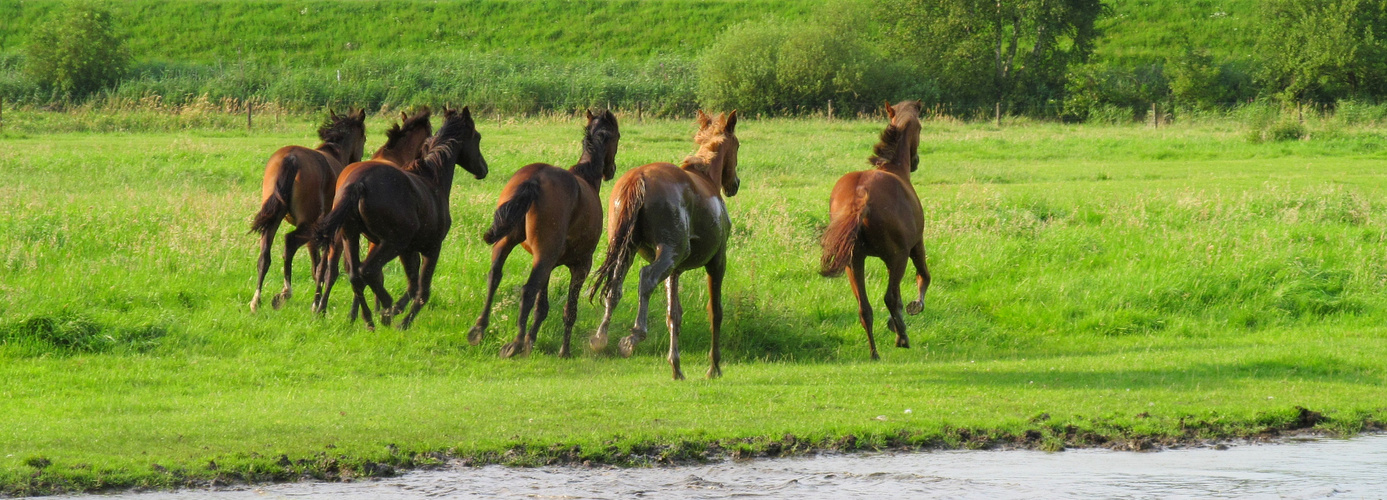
(78, 53)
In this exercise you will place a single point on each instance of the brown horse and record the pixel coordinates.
(403, 212)
(876, 213)
(298, 187)
(556, 215)
(403, 144)
(674, 216)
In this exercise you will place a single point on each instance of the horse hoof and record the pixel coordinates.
(597, 343)
(254, 305)
(714, 372)
(678, 375)
(875, 356)
(915, 307)
(903, 342)
(627, 346)
(474, 336)
(509, 350)
(565, 353)
(279, 300)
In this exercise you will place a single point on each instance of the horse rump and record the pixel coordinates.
(621, 246)
(347, 199)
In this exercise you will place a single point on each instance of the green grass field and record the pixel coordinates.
(1117, 286)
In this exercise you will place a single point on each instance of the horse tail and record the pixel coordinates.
(277, 204)
(621, 245)
(841, 237)
(346, 201)
(511, 214)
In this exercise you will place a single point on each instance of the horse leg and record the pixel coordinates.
(674, 321)
(917, 256)
(895, 269)
(577, 275)
(410, 261)
(499, 252)
(372, 272)
(317, 257)
(352, 247)
(424, 289)
(292, 241)
(267, 240)
(598, 342)
(533, 296)
(328, 274)
(858, 279)
(651, 276)
(716, 269)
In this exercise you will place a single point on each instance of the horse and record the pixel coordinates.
(556, 215)
(876, 213)
(298, 187)
(404, 212)
(675, 218)
(404, 142)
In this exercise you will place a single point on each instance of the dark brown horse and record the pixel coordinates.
(403, 212)
(556, 215)
(674, 216)
(404, 143)
(298, 187)
(876, 213)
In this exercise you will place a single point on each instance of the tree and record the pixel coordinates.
(1323, 50)
(985, 51)
(77, 53)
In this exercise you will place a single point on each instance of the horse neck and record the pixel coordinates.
(708, 164)
(334, 151)
(589, 167)
(901, 165)
(391, 156)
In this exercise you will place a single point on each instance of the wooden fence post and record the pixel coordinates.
(2, 115)
(247, 116)
(999, 113)
(830, 110)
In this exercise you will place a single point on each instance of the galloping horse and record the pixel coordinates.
(556, 215)
(298, 187)
(876, 213)
(675, 218)
(403, 212)
(403, 144)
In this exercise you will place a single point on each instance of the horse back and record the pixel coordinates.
(681, 209)
(313, 183)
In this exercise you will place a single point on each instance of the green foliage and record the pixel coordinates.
(1114, 94)
(986, 51)
(78, 53)
(1324, 50)
(776, 67)
(68, 333)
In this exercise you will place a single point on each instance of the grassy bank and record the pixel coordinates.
(1117, 286)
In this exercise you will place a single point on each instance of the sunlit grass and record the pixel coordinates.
(1125, 281)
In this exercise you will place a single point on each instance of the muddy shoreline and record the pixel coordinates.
(323, 466)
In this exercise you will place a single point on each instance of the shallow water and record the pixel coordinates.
(1320, 468)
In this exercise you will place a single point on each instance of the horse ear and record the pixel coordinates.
(361, 114)
(890, 111)
(589, 113)
(467, 113)
(730, 123)
(404, 116)
(703, 120)
(331, 114)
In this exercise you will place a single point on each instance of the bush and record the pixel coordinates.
(76, 54)
(1097, 91)
(773, 67)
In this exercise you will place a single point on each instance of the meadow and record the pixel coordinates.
(1117, 286)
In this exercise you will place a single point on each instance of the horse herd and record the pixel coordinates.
(672, 215)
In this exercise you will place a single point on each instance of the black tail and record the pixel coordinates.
(277, 205)
(511, 214)
(342, 207)
(621, 245)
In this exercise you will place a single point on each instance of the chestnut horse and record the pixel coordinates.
(876, 213)
(403, 144)
(298, 187)
(556, 215)
(403, 212)
(674, 216)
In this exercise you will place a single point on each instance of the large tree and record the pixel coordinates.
(985, 51)
(1324, 50)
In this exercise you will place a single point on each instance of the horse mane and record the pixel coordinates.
(440, 150)
(399, 131)
(703, 158)
(337, 130)
(884, 152)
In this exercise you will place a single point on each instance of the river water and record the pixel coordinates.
(1318, 468)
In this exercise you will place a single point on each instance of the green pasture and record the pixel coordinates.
(1094, 285)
